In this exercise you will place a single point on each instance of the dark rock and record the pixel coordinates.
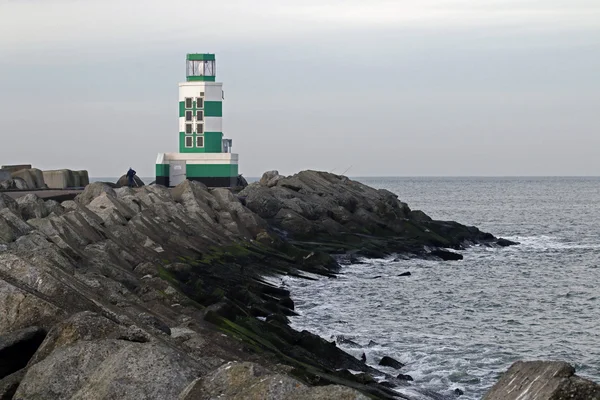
(10, 383)
(241, 181)
(281, 319)
(390, 362)
(447, 255)
(287, 302)
(347, 342)
(17, 348)
(404, 377)
(407, 273)
(458, 392)
(124, 181)
(387, 384)
(542, 380)
(505, 242)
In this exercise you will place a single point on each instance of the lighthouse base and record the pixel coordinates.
(212, 169)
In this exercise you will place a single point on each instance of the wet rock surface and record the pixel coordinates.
(543, 380)
(145, 291)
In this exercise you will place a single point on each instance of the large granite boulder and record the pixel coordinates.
(543, 380)
(8, 202)
(92, 191)
(109, 369)
(16, 348)
(32, 206)
(249, 381)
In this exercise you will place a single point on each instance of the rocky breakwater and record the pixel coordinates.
(318, 210)
(156, 293)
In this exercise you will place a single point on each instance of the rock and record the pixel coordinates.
(270, 178)
(505, 242)
(124, 181)
(458, 392)
(8, 202)
(542, 380)
(12, 226)
(54, 207)
(390, 362)
(110, 369)
(31, 206)
(92, 191)
(404, 377)
(9, 384)
(244, 380)
(16, 348)
(83, 326)
(241, 181)
(21, 309)
(447, 255)
(20, 184)
(407, 273)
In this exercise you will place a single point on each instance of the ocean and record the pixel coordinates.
(460, 324)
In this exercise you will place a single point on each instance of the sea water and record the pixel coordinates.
(460, 324)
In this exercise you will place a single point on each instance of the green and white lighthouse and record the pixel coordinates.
(204, 154)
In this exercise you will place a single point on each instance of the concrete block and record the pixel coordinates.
(84, 178)
(5, 175)
(15, 168)
(38, 177)
(57, 179)
(27, 176)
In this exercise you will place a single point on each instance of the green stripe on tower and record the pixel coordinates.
(211, 170)
(162, 170)
(200, 57)
(201, 78)
(213, 108)
(181, 109)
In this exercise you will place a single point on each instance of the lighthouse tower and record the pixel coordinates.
(204, 155)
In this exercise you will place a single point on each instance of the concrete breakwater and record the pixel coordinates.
(24, 177)
(168, 293)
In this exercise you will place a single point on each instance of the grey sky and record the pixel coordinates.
(427, 87)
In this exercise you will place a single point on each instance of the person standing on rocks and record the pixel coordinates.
(130, 176)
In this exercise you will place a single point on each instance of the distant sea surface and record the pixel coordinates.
(460, 324)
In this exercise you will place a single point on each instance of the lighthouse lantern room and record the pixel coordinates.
(204, 155)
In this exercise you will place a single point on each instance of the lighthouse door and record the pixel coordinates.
(177, 173)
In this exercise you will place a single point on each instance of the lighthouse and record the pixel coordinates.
(204, 154)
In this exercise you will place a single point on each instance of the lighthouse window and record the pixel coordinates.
(199, 141)
(189, 141)
(188, 129)
(199, 115)
(188, 102)
(188, 115)
(200, 129)
(199, 102)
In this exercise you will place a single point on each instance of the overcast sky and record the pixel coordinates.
(407, 88)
